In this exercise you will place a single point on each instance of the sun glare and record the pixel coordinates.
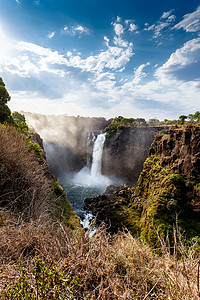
(5, 44)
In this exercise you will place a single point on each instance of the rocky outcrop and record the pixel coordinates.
(181, 150)
(111, 207)
(126, 150)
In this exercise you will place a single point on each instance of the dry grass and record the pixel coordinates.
(107, 267)
(23, 186)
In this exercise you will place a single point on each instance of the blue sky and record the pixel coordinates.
(101, 58)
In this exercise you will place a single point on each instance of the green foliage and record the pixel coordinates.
(197, 187)
(190, 117)
(18, 117)
(33, 146)
(153, 122)
(63, 210)
(22, 127)
(164, 194)
(4, 95)
(177, 180)
(182, 119)
(5, 113)
(119, 123)
(48, 283)
(21, 289)
(196, 116)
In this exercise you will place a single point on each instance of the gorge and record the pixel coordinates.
(87, 161)
(160, 164)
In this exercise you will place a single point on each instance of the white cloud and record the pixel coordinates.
(32, 59)
(177, 65)
(113, 58)
(133, 27)
(69, 53)
(159, 26)
(78, 29)
(118, 28)
(118, 41)
(106, 40)
(139, 74)
(18, 1)
(20, 66)
(190, 22)
(105, 81)
(165, 15)
(50, 35)
(150, 27)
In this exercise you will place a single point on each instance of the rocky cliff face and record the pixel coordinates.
(167, 192)
(126, 150)
(181, 150)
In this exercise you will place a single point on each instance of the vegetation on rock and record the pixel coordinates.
(5, 112)
(119, 123)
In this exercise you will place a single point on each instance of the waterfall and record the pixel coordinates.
(90, 144)
(97, 155)
(92, 176)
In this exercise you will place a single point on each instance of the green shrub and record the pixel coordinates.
(48, 283)
(33, 146)
(197, 187)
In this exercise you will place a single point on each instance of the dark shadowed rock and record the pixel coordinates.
(126, 150)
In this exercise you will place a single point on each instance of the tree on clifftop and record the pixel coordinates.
(182, 119)
(5, 112)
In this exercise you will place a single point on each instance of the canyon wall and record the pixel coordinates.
(126, 150)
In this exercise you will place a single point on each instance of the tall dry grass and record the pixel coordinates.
(105, 266)
(23, 186)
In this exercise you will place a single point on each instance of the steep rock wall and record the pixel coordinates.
(181, 150)
(126, 150)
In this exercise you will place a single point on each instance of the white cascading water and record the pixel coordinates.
(90, 141)
(97, 155)
(93, 177)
